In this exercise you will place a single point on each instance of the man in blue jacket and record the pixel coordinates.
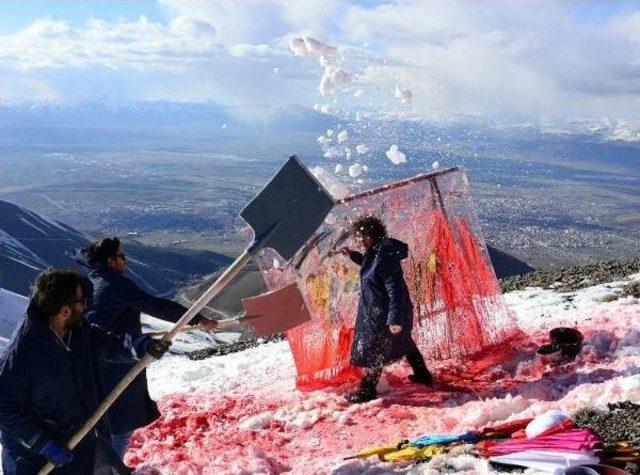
(116, 307)
(50, 382)
(385, 313)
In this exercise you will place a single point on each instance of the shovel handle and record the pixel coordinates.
(198, 305)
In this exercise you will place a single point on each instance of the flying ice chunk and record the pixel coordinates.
(329, 132)
(347, 153)
(359, 116)
(362, 148)
(339, 168)
(323, 140)
(404, 95)
(223, 126)
(395, 155)
(343, 136)
(435, 165)
(355, 170)
(365, 168)
(332, 79)
(358, 93)
(276, 70)
(332, 152)
(307, 46)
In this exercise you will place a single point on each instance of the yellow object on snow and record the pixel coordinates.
(413, 453)
(380, 451)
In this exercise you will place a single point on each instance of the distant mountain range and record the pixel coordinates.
(216, 118)
(30, 243)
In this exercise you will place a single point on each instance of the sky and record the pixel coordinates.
(503, 61)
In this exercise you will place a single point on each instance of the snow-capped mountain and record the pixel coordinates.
(12, 306)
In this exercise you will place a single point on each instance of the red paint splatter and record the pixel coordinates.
(458, 304)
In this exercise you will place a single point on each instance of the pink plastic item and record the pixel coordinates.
(572, 439)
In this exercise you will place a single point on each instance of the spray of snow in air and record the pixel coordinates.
(345, 74)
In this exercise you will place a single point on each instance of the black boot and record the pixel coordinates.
(424, 377)
(362, 395)
(367, 391)
(421, 375)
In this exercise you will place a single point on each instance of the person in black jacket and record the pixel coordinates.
(385, 312)
(50, 382)
(116, 307)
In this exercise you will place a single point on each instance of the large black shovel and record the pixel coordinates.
(283, 216)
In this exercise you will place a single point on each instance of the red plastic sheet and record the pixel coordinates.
(459, 309)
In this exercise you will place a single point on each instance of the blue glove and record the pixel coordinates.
(56, 454)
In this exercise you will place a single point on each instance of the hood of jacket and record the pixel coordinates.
(393, 246)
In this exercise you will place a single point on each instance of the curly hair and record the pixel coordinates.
(100, 251)
(369, 226)
(55, 288)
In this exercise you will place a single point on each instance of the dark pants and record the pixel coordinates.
(119, 442)
(413, 356)
(9, 466)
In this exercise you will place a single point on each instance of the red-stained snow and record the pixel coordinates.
(241, 413)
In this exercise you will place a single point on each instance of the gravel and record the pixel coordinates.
(569, 279)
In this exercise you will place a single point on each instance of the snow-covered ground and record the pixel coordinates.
(11, 308)
(241, 413)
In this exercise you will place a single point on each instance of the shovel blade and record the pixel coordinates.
(288, 210)
(276, 311)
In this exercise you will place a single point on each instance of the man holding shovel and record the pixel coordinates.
(385, 312)
(116, 307)
(50, 381)
(283, 217)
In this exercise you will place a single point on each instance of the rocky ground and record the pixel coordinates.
(569, 279)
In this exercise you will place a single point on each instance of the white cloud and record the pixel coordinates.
(506, 60)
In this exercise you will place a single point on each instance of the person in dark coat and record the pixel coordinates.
(50, 382)
(116, 307)
(385, 312)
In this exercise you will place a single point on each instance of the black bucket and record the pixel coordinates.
(549, 354)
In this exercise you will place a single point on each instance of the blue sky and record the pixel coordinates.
(15, 16)
(517, 61)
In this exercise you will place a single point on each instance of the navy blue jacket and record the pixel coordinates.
(116, 307)
(384, 300)
(48, 390)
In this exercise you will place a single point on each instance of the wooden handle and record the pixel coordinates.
(211, 292)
